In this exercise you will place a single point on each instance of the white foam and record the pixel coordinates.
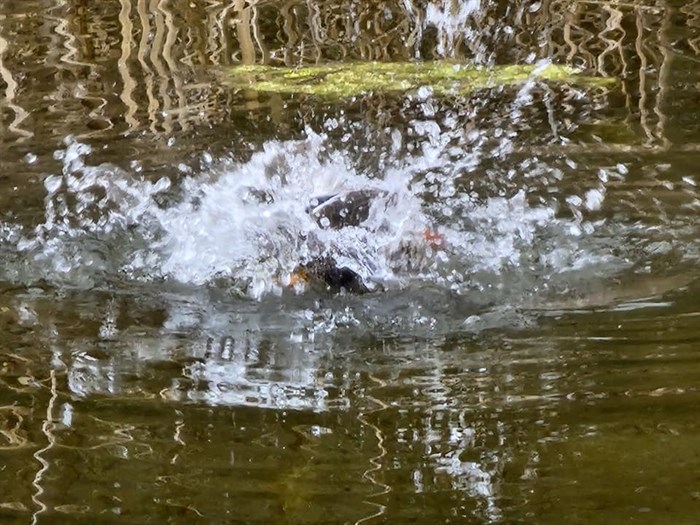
(247, 223)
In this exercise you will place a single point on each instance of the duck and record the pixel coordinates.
(341, 210)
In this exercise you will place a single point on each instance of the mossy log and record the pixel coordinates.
(442, 78)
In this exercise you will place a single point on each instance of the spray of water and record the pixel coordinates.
(507, 228)
(248, 223)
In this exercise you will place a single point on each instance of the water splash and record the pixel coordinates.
(247, 224)
(451, 19)
(511, 226)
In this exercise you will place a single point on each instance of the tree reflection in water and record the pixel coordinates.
(171, 405)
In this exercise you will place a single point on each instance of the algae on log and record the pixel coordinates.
(342, 80)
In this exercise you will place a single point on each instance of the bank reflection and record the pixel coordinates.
(134, 65)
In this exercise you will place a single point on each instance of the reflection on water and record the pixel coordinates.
(491, 427)
(544, 364)
(117, 67)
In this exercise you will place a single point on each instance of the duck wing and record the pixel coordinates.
(349, 208)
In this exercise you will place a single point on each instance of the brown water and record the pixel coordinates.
(557, 379)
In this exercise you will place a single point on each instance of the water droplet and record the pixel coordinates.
(594, 199)
(52, 183)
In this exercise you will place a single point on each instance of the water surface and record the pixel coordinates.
(154, 367)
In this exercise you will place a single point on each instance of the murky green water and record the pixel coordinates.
(543, 368)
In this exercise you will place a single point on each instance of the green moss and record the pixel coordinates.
(351, 79)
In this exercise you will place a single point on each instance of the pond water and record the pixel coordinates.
(540, 364)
